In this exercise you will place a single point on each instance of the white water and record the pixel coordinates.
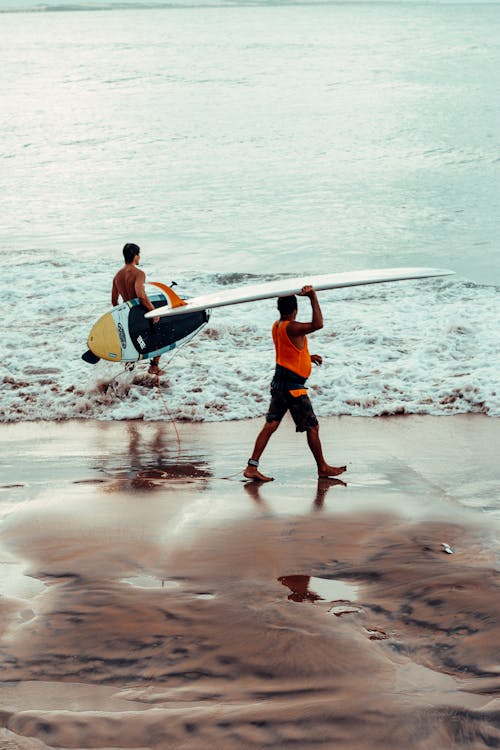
(428, 346)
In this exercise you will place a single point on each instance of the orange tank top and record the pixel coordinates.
(287, 354)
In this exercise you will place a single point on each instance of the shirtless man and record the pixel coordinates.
(129, 284)
(288, 392)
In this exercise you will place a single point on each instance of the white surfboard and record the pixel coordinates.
(285, 287)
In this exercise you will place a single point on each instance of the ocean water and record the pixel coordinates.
(238, 143)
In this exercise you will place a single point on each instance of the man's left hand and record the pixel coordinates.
(317, 359)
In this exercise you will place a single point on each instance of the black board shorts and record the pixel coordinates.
(300, 408)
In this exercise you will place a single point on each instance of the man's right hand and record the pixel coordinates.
(317, 317)
(307, 291)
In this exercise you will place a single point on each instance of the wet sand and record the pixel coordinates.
(149, 598)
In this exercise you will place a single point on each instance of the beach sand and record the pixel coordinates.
(149, 598)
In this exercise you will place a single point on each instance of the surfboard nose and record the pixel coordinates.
(104, 340)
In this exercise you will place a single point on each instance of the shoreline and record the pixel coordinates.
(457, 451)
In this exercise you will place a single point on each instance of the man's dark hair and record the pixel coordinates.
(130, 250)
(287, 305)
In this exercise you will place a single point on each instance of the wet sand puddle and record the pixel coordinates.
(139, 612)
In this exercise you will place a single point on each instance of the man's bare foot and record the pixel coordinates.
(330, 471)
(252, 472)
(155, 370)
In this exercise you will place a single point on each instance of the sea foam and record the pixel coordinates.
(412, 347)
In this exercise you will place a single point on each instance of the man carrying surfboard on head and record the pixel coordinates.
(128, 284)
(288, 391)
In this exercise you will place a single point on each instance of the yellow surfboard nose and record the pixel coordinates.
(104, 340)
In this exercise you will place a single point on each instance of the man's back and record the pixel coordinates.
(128, 283)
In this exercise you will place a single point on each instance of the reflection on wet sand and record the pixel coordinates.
(254, 489)
(151, 462)
(299, 587)
(219, 657)
(306, 588)
(207, 613)
(325, 484)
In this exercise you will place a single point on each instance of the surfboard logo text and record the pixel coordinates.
(121, 334)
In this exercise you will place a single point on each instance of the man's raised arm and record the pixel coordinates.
(317, 315)
(296, 328)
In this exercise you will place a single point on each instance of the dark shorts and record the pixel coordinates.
(300, 408)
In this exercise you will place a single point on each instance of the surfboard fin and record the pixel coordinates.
(90, 357)
(175, 300)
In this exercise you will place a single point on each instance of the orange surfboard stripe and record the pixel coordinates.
(174, 298)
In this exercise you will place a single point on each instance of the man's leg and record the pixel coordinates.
(154, 367)
(305, 421)
(252, 472)
(324, 470)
